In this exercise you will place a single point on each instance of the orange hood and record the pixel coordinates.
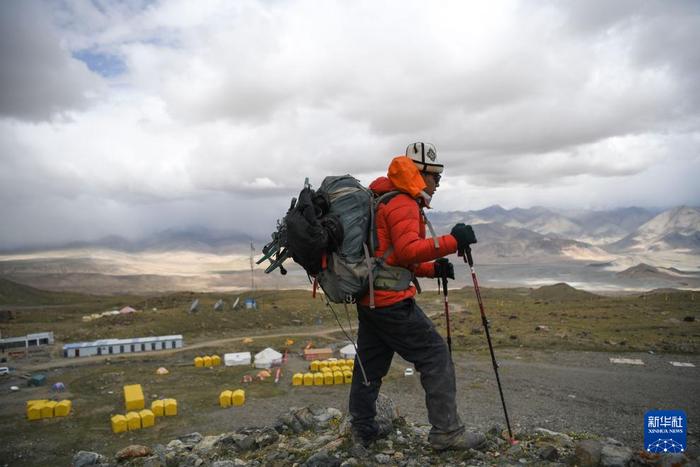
(405, 177)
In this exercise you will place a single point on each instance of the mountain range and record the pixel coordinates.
(626, 247)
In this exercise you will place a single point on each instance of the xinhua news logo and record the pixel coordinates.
(665, 431)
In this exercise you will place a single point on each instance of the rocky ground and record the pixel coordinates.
(320, 438)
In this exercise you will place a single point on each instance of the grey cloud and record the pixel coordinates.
(38, 78)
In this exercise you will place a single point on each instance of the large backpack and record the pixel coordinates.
(330, 232)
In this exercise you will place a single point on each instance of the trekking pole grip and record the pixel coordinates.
(467, 255)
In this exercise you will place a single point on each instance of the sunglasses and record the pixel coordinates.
(435, 176)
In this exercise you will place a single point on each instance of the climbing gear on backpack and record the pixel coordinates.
(467, 255)
(330, 232)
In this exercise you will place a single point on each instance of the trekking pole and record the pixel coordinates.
(443, 278)
(467, 255)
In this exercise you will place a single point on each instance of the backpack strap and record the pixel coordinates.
(430, 227)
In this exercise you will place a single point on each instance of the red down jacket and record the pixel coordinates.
(400, 225)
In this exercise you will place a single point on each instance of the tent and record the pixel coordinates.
(348, 351)
(127, 310)
(267, 358)
(162, 371)
(194, 307)
(234, 359)
(218, 306)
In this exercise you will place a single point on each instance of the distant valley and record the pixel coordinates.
(621, 249)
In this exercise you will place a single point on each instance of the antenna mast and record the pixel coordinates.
(252, 269)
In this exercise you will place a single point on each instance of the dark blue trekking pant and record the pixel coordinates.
(403, 328)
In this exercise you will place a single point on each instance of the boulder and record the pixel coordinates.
(206, 446)
(613, 455)
(588, 453)
(85, 458)
(190, 439)
(133, 451)
(321, 459)
(548, 453)
(266, 436)
(296, 419)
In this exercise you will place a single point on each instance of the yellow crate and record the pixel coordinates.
(133, 397)
(225, 398)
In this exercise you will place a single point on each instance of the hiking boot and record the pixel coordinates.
(359, 440)
(467, 440)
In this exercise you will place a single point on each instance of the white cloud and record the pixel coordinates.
(547, 103)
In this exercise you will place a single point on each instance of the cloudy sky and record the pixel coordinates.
(124, 118)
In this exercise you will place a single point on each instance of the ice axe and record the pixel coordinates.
(467, 255)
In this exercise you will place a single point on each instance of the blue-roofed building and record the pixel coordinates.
(122, 346)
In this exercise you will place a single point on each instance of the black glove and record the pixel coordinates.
(464, 235)
(443, 267)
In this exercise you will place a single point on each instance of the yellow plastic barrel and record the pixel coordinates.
(198, 362)
(318, 379)
(215, 360)
(314, 366)
(34, 410)
(225, 398)
(298, 379)
(47, 409)
(238, 397)
(322, 364)
(308, 379)
(62, 409)
(119, 424)
(31, 402)
(170, 407)
(147, 418)
(207, 360)
(158, 408)
(338, 377)
(133, 420)
(348, 376)
(328, 378)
